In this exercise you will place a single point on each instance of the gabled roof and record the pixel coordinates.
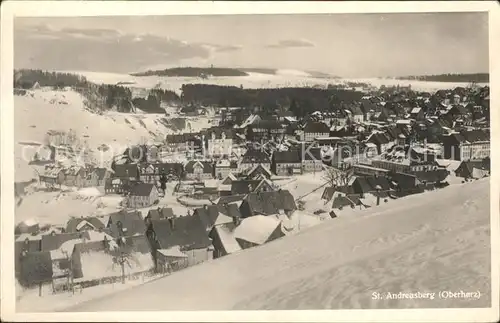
(378, 138)
(313, 154)
(231, 199)
(259, 169)
(287, 157)
(141, 189)
(169, 168)
(253, 156)
(52, 242)
(256, 229)
(243, 186)
(187, 232)
(268, 203)
(316, 127)
(71, 225)
(225, 232)
(160, 213)
(132, 223)
(207, 166)
(434, 176)
(37, 267)
(126, 170)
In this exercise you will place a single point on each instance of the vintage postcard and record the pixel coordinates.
(250, 161)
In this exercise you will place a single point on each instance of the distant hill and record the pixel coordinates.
(194, 72)
(463, 78)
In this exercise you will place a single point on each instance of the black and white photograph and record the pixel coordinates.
(257, 161)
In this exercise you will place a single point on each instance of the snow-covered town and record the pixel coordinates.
(123, 180)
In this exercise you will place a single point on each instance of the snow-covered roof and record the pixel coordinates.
(256, 229)
(227, 239)
(173, 252)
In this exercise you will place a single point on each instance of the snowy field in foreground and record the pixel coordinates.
(431, 242)
(284, 78)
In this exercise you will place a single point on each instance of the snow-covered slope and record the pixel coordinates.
(42, 110)
(431, 242)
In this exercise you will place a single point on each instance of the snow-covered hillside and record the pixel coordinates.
(43, 110)
(282, 78)
(427, 243)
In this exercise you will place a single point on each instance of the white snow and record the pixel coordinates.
(228, 239)
(428, 242)
(256, 229)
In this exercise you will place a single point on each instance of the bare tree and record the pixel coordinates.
(338, 177)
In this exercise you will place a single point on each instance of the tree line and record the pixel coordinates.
(193, 72)
(462, 78)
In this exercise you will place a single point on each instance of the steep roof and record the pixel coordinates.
(243, 186)
(72, 224)
(207, 166)
(291, 156)
(36, 267)
(52, 242)
(268, 203)
(187, 232)
(256, 229)
(254, 156)
(316, 127)
(141, 189)
(132, 223)
(313, 154)
(126, 170)
(160, 213)
(231, 199)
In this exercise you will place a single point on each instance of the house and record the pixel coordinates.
(366, 170)
(52, 175)
(182, 142)
(96, 177)
(213, 215)
(25, 243)
(473, 169)
(314, 130)
(186, 236)
(312, 160)
(417, 114)
(223, 168)
(258, 172)
(147, 173)
(219, 143)
(224, 240)
(231, 199)
(267, 203)
(126, 171)
(405, 184)
(375, 185)
(142, 195)
(265, 129)
(54, 241)
(173, 171)
(229, 179)
(254, 157)
(35, 268)
(342, 201)
(160, 214)
(467, 145)
(357, 114)
(257, 230)
(199, 170)
(84, 224)
(244, 186)
(125, 224)
(380, 140)
(74, 176)
(287, 163)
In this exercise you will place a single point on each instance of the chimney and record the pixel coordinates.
(236, 220)
(172, 223)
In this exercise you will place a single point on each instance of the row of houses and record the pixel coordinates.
(76, 176)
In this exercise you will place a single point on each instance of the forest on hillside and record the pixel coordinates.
(193, 72)
(459, 78)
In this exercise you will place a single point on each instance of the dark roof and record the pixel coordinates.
(141, 189)
(356, 110)
(267, 124)
(218, 133)
(101, 173)
(54, 241)
(328, 193)
(342, 201)
(378, 138)
(268, 203)
(243, 186)
(253, 156)
(188, 232)
(433, 176)
(160, 213)
(72, 224)
(404, 181)
(292, 156)
(36, 267)
(208, 215)
(181, 138)
(231, 199)
(316, 127)
(476, 135)
(469, 165)
(207, 166)
(259, 169)
(132, 223)
(126, 170)
(312, 154)
(231, 210)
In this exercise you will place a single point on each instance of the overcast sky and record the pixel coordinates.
(349, 45)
